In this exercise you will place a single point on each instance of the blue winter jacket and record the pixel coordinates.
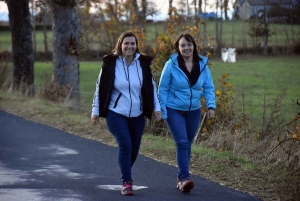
(175, 91)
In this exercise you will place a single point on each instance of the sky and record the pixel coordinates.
(162, 6)
(3, 11)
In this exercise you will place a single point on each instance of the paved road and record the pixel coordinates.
(42, 163)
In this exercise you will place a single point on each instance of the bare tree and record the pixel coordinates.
(196, 12)
(44, 11)
(66, 48)
(266, 32)
(144, 9)
(205, 40)
(188, 8)
(217, 28)
(22, 50)
(170, 4)
(182, 6)
(148, 9)
(200, 6)
(33, 24)
(136, 9)
(225, 5)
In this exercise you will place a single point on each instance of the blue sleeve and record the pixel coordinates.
(209, 90)
(163, 88)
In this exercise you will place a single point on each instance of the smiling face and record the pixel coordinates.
(128, 46)
(186, 48)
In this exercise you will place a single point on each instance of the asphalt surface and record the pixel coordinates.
(42, 163)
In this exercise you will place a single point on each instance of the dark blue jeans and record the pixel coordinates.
(183, 126)
(128, 133)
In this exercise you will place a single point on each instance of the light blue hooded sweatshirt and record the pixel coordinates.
(175, 91)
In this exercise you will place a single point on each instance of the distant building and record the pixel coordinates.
(210, 15)
(245, 9)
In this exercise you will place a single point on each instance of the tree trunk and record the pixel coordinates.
(205, 40)
(200, 6)
(226, 9)
(266, 33)
(45, 23)
(221, 27)
(217, 29)
(170, 4)
(23, 58)
(195, 13)
(33, 27)
(136, 10)
(188, 9)
(144, 10)
(66, 49)
(118, 13)
(233, 32)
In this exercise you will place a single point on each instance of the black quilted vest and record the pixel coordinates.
(107, 84)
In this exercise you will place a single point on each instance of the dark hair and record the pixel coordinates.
(118, 48)
(189, 38)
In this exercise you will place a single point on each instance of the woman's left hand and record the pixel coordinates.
(210, 114)
(158, 115)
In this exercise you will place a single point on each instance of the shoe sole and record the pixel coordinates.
(187, 187)
(128, 193)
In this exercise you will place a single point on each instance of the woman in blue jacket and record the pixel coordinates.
(125, 93)
(184, 80)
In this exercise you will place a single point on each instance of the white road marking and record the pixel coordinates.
(35, 195)
(55, 170)
(60, 150)
(10, 177)
(119, 187)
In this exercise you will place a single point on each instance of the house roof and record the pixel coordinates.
(262, 2)
(239, 1)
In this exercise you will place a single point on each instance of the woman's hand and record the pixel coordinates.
(158, 115)
(95, 119)
(210, 114)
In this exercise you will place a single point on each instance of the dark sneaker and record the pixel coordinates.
(185, 185)
(127, 188)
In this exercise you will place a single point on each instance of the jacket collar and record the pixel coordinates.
(136, 57)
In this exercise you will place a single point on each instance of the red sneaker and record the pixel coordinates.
(185, 185)
(127, 188)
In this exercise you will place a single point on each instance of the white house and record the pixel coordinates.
(247, 8)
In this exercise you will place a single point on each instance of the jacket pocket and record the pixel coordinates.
(117, 100)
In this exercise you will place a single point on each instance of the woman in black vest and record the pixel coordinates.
(125, 93)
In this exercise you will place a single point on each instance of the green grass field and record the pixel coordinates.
(234, 35)
(257, 76)
(267, 76)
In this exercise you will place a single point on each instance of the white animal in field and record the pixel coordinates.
(224, 54)
(231, 55)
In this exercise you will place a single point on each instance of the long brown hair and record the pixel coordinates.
(189, 38)
(118, 48)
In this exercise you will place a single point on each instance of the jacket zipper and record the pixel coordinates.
(129, 91)
(128, 79)
(191, 97)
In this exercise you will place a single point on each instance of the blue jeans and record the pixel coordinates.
(183, 126)
(128, 133)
